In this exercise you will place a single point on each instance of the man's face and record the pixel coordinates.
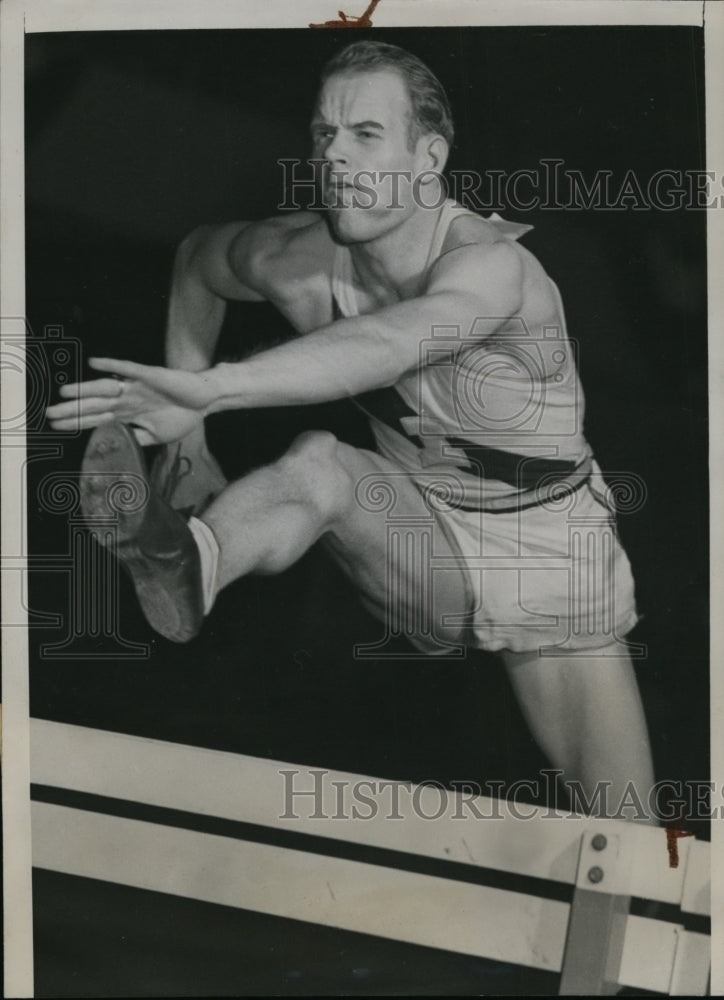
(361, 128)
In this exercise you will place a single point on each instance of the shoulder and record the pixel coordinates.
(477, 253)
(282, 249)
(473, 252)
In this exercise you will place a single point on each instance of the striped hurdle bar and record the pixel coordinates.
(180, 820)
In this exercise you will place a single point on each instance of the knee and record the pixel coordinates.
(314, 461)
(314, 446)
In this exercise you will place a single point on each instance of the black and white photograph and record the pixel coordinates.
(357, 547)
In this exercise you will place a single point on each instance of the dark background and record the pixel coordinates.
(135, 138)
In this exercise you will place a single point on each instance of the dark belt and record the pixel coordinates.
(550, 489)
(538, 480)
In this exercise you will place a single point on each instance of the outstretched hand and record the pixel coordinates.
(160, 404)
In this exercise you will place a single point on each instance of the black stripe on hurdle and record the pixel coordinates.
(454, 870)
(670, 912)
(294, 840)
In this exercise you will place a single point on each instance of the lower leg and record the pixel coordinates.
(586, 714)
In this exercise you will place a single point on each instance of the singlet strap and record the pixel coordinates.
(451, 210)
(344, 297)
(343, 290)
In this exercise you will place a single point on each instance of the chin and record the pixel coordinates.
(357, 225)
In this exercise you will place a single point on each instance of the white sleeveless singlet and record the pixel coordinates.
(485, 410)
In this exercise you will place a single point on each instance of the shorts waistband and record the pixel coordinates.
(550, 488)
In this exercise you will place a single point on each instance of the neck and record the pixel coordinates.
(394, 265)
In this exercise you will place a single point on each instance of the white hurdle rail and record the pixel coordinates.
(593, 941)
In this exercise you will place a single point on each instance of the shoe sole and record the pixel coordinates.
(115, 489)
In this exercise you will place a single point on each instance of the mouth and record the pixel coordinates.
(338, 194)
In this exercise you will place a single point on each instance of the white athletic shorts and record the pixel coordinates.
(552, 576)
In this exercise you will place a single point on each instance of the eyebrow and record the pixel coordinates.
(320, 123)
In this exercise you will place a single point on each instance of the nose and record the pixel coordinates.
(335, 152)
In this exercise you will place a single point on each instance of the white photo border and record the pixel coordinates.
(20, 16)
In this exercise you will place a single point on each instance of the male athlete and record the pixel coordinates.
(451, 338)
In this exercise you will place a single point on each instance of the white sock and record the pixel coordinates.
(209, 551)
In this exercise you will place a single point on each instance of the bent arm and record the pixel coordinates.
(208, 270)
(354, 355)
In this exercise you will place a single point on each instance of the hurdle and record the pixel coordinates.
(197, 823)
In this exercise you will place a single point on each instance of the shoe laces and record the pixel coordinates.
(181, 466)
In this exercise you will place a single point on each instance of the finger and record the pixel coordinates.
(59, 410)
(81, 423)
(128, 369)
(143, 437)
(79, 408)
(95, 387)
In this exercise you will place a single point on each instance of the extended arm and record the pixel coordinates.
(366, 352)
(342, 359)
